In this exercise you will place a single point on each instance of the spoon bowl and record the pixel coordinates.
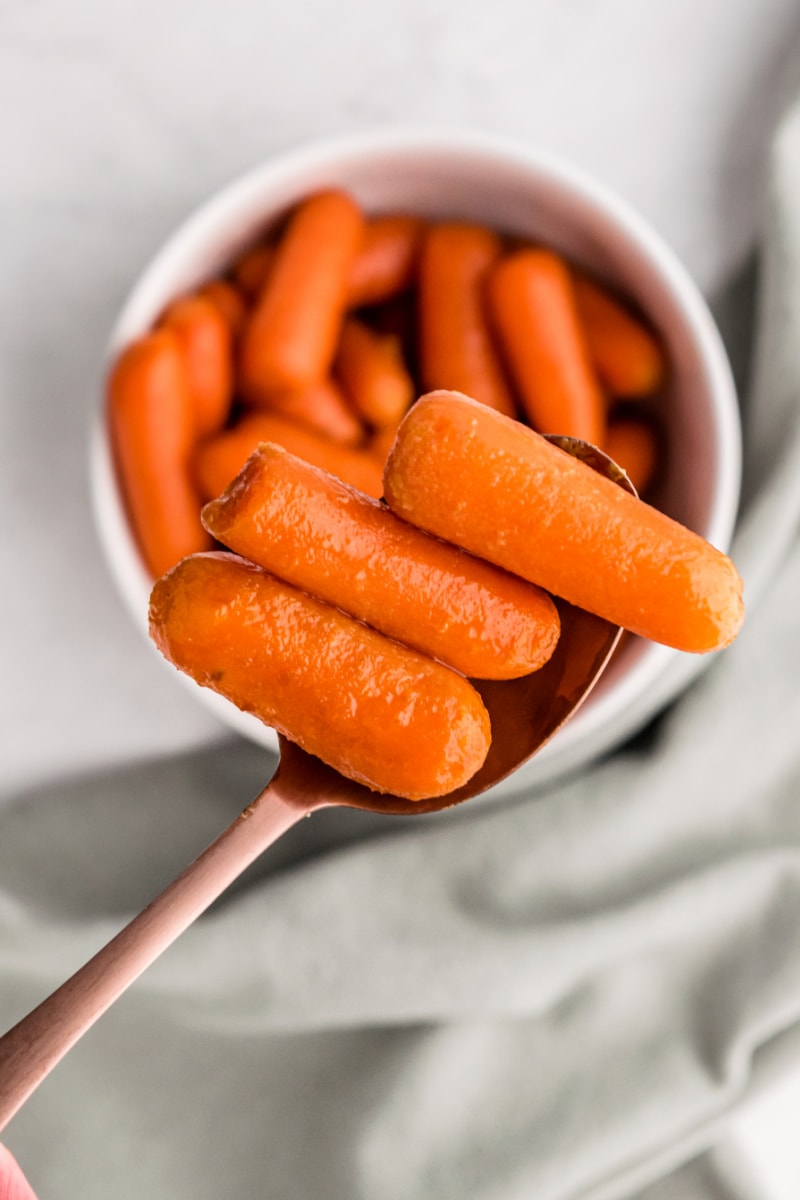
(525, 713)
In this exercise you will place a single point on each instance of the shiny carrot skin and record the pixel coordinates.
(456, 347)
(534, 314)
(219, 459)
(372, 373)
(291, 337)
(228, 302)
(530, 507)
(386, 261)
(152, 427)
(634, 445)
(626, 354)
(205, 339)
(376, 711)
(310, 529)
(322, 407)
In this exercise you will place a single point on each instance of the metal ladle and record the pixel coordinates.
(524, 714)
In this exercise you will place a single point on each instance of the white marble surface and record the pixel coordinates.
(117, 118)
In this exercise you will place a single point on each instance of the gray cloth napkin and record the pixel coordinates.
(556, 997)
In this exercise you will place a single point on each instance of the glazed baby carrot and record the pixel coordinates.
(322, 407)
(535, 317)
(205, 340)
(386, 260)
(315, 532)
(370, 368)
(456, 349)
(375, 710)
(532, 508)
(219, 459)
(291, 337)
(228, 302)
(250, 270)
(626, 354)
(152, 423)
(633, 443)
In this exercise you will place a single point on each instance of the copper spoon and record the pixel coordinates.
(524, 713)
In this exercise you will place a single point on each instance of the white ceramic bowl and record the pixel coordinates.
(521, 191)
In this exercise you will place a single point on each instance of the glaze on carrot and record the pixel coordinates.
(535, 318)
(633, 443)
(218, 460)
(291, 336)
(315, 532)
(375, 710)
(530, 507)
(152, 426)
(626, 354)
(322, 407)
(205, 340)
(456, 348)
(371, 371)
(386, 260)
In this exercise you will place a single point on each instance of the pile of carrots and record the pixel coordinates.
(320, 337)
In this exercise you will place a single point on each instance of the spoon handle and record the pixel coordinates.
(30, 1050)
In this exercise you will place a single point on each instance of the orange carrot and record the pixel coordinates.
(633, 443)
(322, 407)
(626, 354)
(380, 442)
(251, 269)
(493, 486)
(456, 349)
(386, 261)
(370, 368)
(376, 711)
(229, 303)
(535, 317)
(219, 459)
(152, 423)
(291, 337)
(315, 532)
(205, 340)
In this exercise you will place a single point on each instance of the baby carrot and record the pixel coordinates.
(228, 302)
(633, 443)
(205, 340)
(386, 260)
(456, 348)
(151, 421)
(291, 337)
(315, 532)
(495, 487)
(370, 368)
(219, 459)
(251, 269)
(536, 320)
(375, 710)
(322, 407)
(626, 354)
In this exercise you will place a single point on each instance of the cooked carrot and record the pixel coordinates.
(152, 424)
(493, 486)
(251, 269)
(205, 340)
(291, 337)
(535, 317)
(219, 459)
(372, 373)
(456, 348)
(322, 407)
(633, 443)
(376, 711)
(307, 527)
(229, 303)
(386, 261)
(626, 354)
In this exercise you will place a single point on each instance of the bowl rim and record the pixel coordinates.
(606, 718)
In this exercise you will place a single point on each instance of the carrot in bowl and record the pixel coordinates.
(204, 335)
(504, 493)
(310, 529)
(370, 368)
(320, 677)
(626, 354)
(386, 260)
